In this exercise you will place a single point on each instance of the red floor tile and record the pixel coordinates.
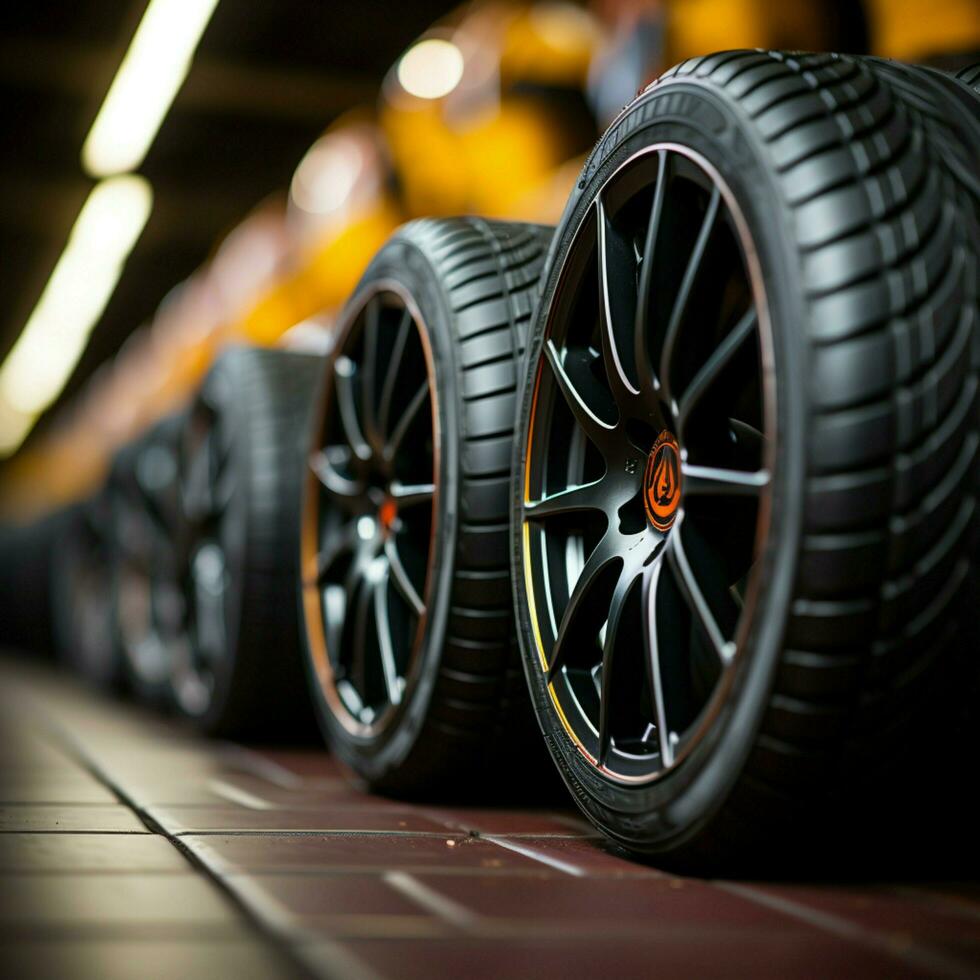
(686, 955)
(113, 902)
(124, 959)
(311, 765)
(334, 905)
(69, 853)
(511, 822)
(65, 787)
(568, 904)
(575, 856)
(909, 921)
(342, 852)
(219, 788)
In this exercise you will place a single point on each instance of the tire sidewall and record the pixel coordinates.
(670, 812)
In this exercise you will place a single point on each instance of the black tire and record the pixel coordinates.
(27, 555)
(146, 595)
(447, 303)
(970, 76)
(947, 107)
(860, 218)
(240, 469)
(82, 597)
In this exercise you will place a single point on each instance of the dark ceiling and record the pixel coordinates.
(268, 77)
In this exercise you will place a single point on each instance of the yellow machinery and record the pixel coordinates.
(488, 113)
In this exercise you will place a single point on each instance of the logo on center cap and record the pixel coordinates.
(662, 482)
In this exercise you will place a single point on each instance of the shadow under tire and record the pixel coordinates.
(406, 591)
(240, 673)
(744, 517)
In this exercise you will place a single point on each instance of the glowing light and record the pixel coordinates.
(431, 69)
(145, 85)
(326, 176)
(55, 335)
(14, 427)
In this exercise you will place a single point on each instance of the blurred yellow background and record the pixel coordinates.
(490, 112)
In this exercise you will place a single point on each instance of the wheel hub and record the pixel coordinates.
(662, 482)
(387, 514)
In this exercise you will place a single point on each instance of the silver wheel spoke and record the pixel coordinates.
(391, 375)
(404, 423)
(360, 597)
(568, 501)
(344, 379)
(410, 494)
(594, 427)
(691, 590)
(620, 594)
(386, 647)
(613, 258)
(403, 584)
(684, 293)
(651, 639)
(597, 563)
(342, 541)
(715, 481)
(649, 383)
(327, 474)
(372, 315)
(715, 364)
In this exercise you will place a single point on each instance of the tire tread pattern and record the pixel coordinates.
(479, 713)
(876, 169)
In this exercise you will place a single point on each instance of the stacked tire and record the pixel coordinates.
(239, 673)
(406, 595)
(851, 186)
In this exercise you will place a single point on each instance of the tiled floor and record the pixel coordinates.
(130, 848)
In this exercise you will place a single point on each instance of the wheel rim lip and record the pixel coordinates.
(312, 592)
(713, 708)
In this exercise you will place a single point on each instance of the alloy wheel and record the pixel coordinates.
(371, 512)
(647, 476)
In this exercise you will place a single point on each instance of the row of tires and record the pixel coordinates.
(691, 480)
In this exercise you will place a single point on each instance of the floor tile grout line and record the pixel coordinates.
(921, 957)
(76, 832)
(286, 832)
(373, 870)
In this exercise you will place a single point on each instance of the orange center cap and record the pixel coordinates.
(387, 512)
(662, 482)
